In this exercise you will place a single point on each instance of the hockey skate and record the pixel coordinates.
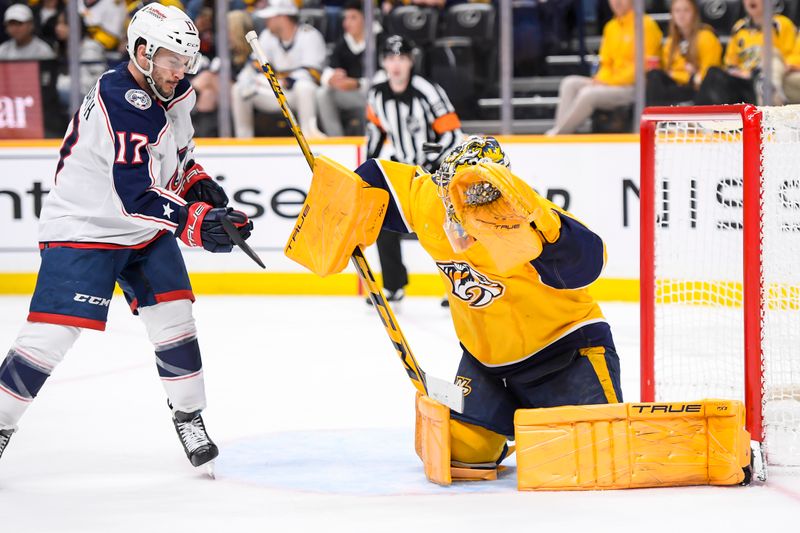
(5, 436)
(196, 443)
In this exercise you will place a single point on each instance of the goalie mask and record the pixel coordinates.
(471, 151)
(163, 27)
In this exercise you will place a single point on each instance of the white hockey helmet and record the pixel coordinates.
(163, 27)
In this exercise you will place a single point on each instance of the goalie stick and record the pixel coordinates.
(440, 390)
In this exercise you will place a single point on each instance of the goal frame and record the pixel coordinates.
(753, 290)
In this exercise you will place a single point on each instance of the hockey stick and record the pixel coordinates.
(440, 390)
(233, 233)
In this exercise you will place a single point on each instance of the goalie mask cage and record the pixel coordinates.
(720, 263)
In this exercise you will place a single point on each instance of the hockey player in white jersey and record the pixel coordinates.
(126, 188)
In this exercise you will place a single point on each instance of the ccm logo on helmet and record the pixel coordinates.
(89, 299)
(669, 408)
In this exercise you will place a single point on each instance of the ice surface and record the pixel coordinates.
(314, 418)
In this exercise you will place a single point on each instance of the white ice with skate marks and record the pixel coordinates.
(313, 415)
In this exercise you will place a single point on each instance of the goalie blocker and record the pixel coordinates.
(612, 446)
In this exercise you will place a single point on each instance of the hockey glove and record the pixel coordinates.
(504, 213)
(199, 187)
(199, 224)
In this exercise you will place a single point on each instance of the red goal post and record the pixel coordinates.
(708, 326)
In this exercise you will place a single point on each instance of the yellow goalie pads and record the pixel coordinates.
(632, 445)
(340, 213)
(432, 443)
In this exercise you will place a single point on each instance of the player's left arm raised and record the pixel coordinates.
(517, 225)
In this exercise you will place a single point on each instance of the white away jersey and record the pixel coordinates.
(302, 58)
(120, 171)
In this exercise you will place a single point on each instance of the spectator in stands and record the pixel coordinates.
(204, 21)
(105, 21)
(206, 83)
(410, 111)
(388, 5)
(791, 81)
(612, 85)
(92, 58)
(45, 15)
(690, 50)
(741, 77)
(343, 86)
(297, 53)
(23, 44)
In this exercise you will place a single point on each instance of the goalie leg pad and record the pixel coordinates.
(432, 439)
(340, 213)
(634, 445)
(477, 450)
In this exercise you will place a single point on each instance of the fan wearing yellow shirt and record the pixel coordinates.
(740, 78)
(518, 268)
(612, 85)
(690, 50)
(791, 81)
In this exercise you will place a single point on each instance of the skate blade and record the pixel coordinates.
(209, 467)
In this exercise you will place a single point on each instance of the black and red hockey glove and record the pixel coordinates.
(199, 224)
(198, 186)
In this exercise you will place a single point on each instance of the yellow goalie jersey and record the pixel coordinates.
(537, 308)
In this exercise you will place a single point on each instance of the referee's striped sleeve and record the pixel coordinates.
(376, 134)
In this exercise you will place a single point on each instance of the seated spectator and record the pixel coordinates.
(45, 15)
(690, 50)
(737, 81)
(23, 45)
(343, 86)
(791, 81)
(612, 85)
(388, 5)
(204, 21)
(297, 54)
(206, 83)
(92, 57)
(105, 21)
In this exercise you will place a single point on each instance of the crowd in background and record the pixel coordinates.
(321, 66)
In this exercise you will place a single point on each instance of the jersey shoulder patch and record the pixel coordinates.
(138, 99)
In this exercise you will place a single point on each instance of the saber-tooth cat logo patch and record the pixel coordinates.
(470, 285)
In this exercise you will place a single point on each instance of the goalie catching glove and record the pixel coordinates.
(199, 224)
(503, 213)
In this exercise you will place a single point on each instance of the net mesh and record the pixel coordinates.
(698, 250)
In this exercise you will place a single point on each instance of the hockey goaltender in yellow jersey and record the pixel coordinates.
(539, 365)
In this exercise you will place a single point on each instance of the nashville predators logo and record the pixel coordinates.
(470, 285)
(463, 382)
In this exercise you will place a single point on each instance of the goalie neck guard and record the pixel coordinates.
(470, 151)
(163, 27)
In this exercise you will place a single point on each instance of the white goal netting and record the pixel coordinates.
(698, 259)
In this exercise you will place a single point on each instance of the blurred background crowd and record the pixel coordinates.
(573, 63)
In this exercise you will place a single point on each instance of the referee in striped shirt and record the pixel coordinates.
(410, 111)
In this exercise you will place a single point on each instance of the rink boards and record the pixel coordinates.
(595, 177)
